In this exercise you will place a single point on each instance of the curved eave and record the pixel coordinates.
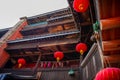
(45, 36)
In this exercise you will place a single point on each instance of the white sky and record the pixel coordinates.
(12, 10)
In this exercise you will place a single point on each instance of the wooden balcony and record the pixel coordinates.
(43, 17)
(111, 40)
(58, 38)
(92, 63)
(47, 26)
(52, 74)
(46, 49)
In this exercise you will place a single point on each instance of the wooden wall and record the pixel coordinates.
(59, 75)
(4, 56)
(109, 8)
(110, 27)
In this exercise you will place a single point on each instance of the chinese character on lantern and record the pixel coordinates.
(80, 5)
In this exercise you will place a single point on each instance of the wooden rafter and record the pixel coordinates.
(112, 59)
(111, 45)
(37, 53)
(110, 23)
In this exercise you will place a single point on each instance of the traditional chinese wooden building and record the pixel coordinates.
(35, 40)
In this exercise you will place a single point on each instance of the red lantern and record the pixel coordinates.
(21, 62)
(108, 74)
(80, 5)
(58, 55)
(81, 47)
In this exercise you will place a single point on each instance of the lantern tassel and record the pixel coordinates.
(81, 52)
(19, 65)
(81, 6)
(58, 59)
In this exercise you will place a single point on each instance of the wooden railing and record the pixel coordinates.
(46, 74)
(91, 64)
(63, 33)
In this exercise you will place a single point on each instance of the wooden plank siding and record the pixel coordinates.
(111, 45)
(59, 75)
(109, 8)
(110, 23)
(110, 27)
(10, 35)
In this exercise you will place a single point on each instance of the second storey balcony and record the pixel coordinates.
(50, 42)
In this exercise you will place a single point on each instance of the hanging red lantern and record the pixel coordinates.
(21, 62)
(81, 47)
(108, 74)
(80, 5)
(58, 55)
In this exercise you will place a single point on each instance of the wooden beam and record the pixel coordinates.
(111, 45)
(110, 23)
(112, 59)
(37, 53)
(43, 44)
(53, 24)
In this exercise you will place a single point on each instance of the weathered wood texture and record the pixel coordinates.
(12, 34)
(109, 8)
(59, 75)
(112, 45)
(110, 26)
(110, 23)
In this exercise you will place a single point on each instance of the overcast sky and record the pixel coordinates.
(12, 10)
